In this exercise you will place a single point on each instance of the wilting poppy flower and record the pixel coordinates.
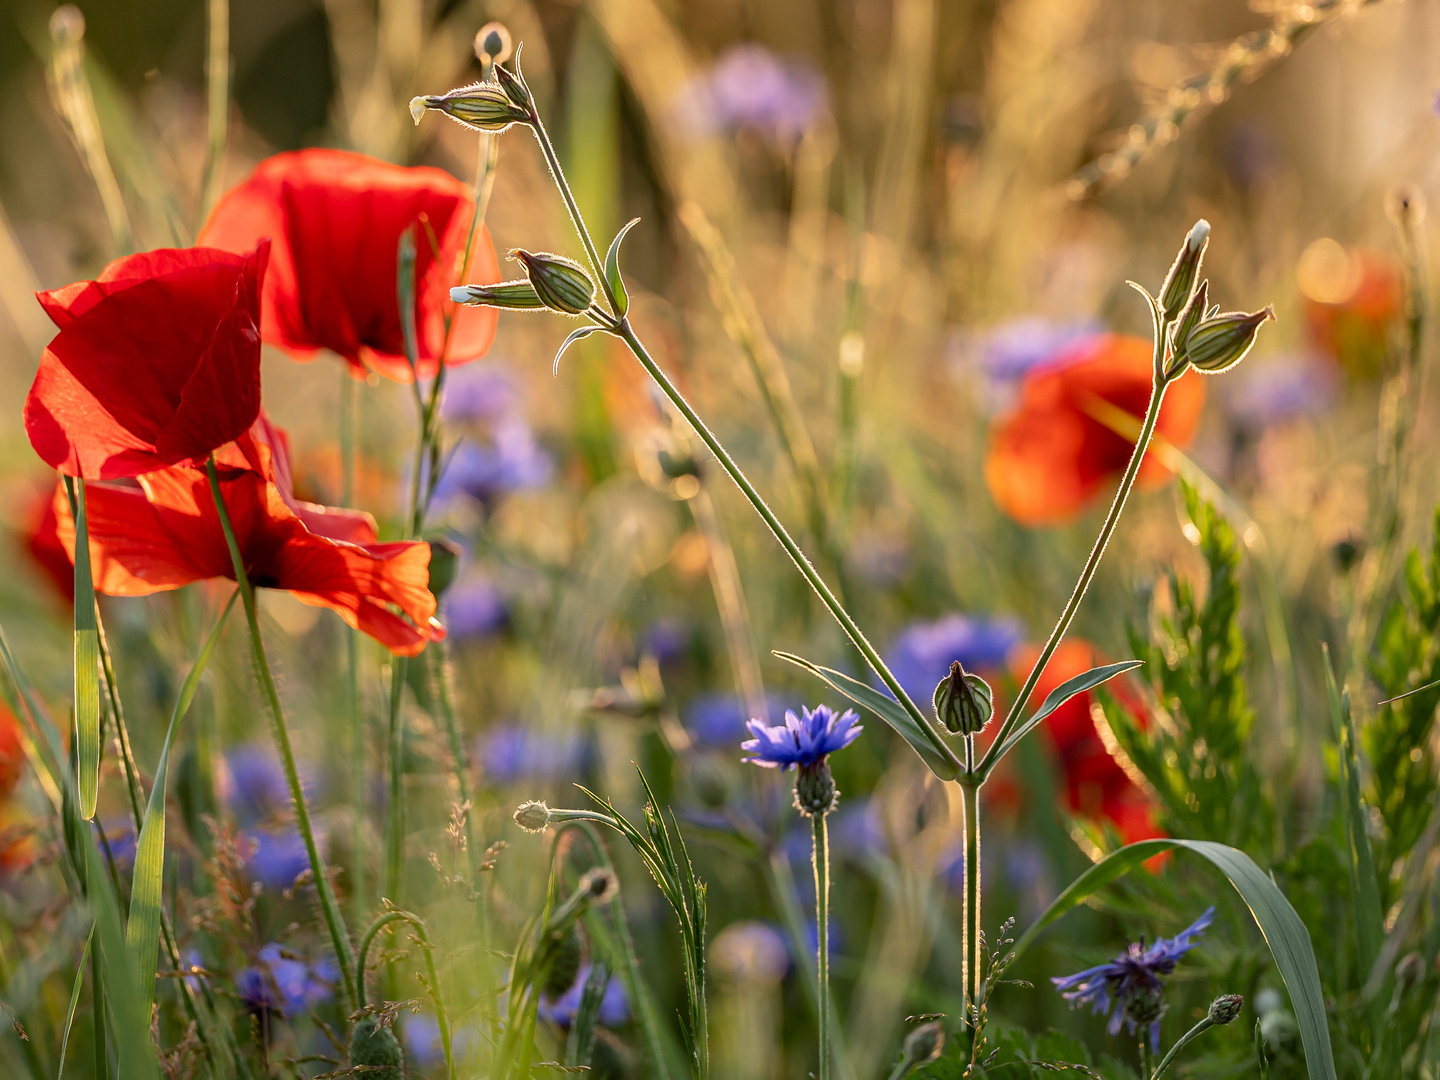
(335, 219)
(162, 531)
(1352, 299)
(1053, 453)
(1095, 784)
(157, 363)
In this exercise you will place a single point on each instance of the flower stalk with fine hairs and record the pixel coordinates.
(805, 743)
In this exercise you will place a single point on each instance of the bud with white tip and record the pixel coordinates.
(512, 295)
(482, 105)
(1179, 283)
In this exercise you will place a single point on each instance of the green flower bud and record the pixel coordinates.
(1220, 342)
(375, 1047)
(492, 42)
(562, 284)
(601, 884)
(533, 816)
(513, 295)
(964, 701)
(513, 84)
(1189, 319)
(481, 105)
(444, 564)
(924, 1043)
(815, 791)
(1225, 1008)
(1175, 293)
(565, 966)
(1146, 1005)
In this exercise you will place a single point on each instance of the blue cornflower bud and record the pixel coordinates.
(533, 816)
(924, 1043)
(562, 284)
(374, 1047)
(1225, 1008)
(492, 42)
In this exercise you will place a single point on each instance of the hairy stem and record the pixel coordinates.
(822, 936)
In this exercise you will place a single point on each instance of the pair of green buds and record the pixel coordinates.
(1200, 335)
(551, 281)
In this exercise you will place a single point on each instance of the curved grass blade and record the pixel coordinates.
(142, 930)
(1064, 692)
(575, 335)
(74, 1001)
(612, 270)
(1281, 927)
(87, 658)
(942, 763)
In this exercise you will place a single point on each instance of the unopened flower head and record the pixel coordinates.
(533, 816)
(925, 1043)
(1179, 283)
(1220, 342)
(1133, 980)
(513, 295)
(601, 883)
(492, 43)
(1225, 1008)
(562, 284)
(964, 701)
(482, 105)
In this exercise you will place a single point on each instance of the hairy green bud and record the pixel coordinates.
(1225, 1008)
(562, 284)
(482, 105)
(924, 1043)
(512, 295)
(1220, 342)
(1175, 293)
(815, 791)
(566, 964)
(513, 85)
(964, 701)
(1189, 319)
(375, 1047)
(533, 816)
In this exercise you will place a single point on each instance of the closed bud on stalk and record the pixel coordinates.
(512, 295)
(562, 284)
(1190, 318)
(483, 105)
(1225, 1008)
(492, 42)
(1219, 342)
(374, 1048)
(601, 884)
(533, 816)
(566, 964)
(815, 791)
(964, 701)
(513, 83)
(1146, 1005)
(1181, 280)
(444, 564)
(924, 1043)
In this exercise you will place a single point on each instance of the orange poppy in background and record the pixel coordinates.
(1095, 784)
(335, 219)
(1050, 456)
(1353, 297)
(161, 531)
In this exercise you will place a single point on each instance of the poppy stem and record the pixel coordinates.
(822, 936)
(334, 921)
(1161, 380)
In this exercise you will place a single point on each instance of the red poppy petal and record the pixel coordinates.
(132, 551)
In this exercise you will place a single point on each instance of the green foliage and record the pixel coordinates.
(1198, 758)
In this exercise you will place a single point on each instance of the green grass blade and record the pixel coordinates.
(74, 1001)
(87, 659)
(142, 930)
(1281, 927)
(883, 706)
(1064, 692)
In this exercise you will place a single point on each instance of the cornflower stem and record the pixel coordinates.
(395, 834)
(334, 921)
(1180, 1044)
(626, 332)
(1092, 564)
(970, 936)
(822, 935)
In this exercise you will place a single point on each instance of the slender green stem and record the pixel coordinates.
(970, 937)
(334, 921)
(395, 834)
(1180, 1044)
(797, 556)
(442, 1018)
(1087, 574)
(217, 91)
(97, 1012)
(822, 935)
(547, 148)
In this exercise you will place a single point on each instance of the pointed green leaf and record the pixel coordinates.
(1281, 927)
(887, 709)
(142, 931)
(612, 270)
(87, 659)
(575, 335)
(74, 1001)
(1064, 692)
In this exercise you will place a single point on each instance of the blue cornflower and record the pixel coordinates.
(803, 741)
(277, 856)
(614, 1004)
(513, 751)
(474, 608)
(750, 87)
(284, 983)
(513, 461)
(1132, 980)
(479, 393)
(924, 651)
(719, 719)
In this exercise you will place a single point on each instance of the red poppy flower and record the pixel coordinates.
(336, 219)
(157, 363)
(1050, 456)
(161, 531)
(1352, 300)
(1095, 784)
(42, 541)
(12, 754)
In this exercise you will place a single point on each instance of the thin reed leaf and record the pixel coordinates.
(74, 1001)
(87, 658)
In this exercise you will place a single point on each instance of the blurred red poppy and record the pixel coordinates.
(1095, 784)
(1051, 455)
(162, 531)
(12, 754)
(157, 363)
(1353, 298)
(42, 541)
(336, 219)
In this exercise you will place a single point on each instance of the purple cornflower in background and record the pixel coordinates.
(1250, 153)
(856, 832)
(614, 1005)
(253, 785)
(923, 653)
(513, 752)
(715, 720)
(479, 393)
(1133, 975)
(1004, 354)
(276, 856)
(513, 460)
(423, 1048)
(1281, 388)
(120, 836)
(285, 984)
(804, 741)
(473, 608)
(667, 639)
(751, 87)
